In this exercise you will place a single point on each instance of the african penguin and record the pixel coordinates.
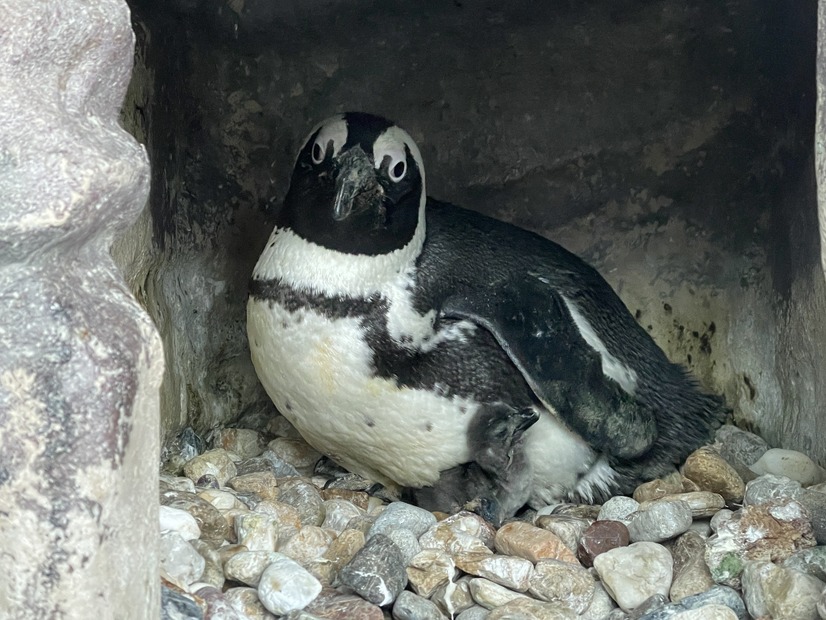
(455, 357)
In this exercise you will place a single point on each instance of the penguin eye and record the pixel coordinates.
(318, 153)
(398, 170)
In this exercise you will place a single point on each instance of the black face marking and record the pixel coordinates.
(429, 427)
(370, 422)
(384, 212)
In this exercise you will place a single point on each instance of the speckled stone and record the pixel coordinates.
(658, 488)
(212, 524)
(770, 531)
(477, 612)
(618, 508)
(246, 602)
(339, 553)
(178, 520)
(399, 515)
(213, 567)
(568, 529)
(256, 531)
(459, 533)
(267, 462)
(599, 537)
(815, 503)
(651, 606)
(178, 606)
(703, 504)
(774, 591)
(769, 487)
(357, 498)
(509, 571)
(180, 562)
(691, 574)
(720, 519)
(285, 586)
(338, 512)
(718, 596)
(454, 597)
(217, 607)
(532, 543)
(376, 572)
(601, 604)
(739, 446)
(491, 595)
(246, 566)
(264, 484)
(244, 442)
(631, 574)
(529, 609)
(307, 545)
(304, 497)
(333, 605)
(406, 541)
(296, 452)
(409, 606)
(712, 473)
(215, 462)
(811, 561)
(564, 584)
(791, 464)
(659, 520)
(428, 570)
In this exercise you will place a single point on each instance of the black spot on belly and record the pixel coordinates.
(463, 409)
(287, 405)
(370, 422)
(429, 426)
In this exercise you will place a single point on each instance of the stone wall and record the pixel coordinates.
(80, 362)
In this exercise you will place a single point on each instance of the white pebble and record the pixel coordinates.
(618, 508)
(789, 463)
(177, 520)
(285, 586)
(632, 574)
(180, 562)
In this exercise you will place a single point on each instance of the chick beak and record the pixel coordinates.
(355, 175)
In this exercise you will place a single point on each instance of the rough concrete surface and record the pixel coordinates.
(666, 142)
(80, 362)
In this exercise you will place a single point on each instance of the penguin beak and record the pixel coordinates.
(355, 176)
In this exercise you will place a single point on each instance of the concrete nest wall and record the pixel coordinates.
(669, 144)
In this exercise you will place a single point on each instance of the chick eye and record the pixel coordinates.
(398, 170)
(317, 153)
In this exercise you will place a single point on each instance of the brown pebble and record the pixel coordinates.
(599, 537)
(532, 543)
(712, 473)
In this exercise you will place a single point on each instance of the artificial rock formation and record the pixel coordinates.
(80, 362)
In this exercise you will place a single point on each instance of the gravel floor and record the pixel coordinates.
(261, 526)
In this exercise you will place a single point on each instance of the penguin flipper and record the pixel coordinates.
(535, 328)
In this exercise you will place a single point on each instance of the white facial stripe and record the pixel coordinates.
(391, 143)
(611, 366)
(335, 129)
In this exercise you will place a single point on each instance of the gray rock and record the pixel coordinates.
(267, 462)
(399, 515)
(660, 520)
(815, 503)
(216, 462)
(821, 606)
(376, 572)
(406, 541)
(180, 562)
(178, 520)
(718, 596)
(778, 592)
(214, 528)
(285, 586)
(338, 513)
(810, 561)
(618, 508)
(296, 452)
(709, 612)
(305, 498)
(769, 487)
(409, 606)
(738, 446)
(530, 609)
(245, 442)
(477, 612)
(248, 566)
(568, 529)
(601, 604)
(178, 606)
(650, 606)
(791, 464)
(213, 570)
(691, 574)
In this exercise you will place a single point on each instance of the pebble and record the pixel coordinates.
(305, 498)
(702, 503)
(532, 543)
(791, 464)
(631, 574)
(770, 531)
(815, 503)
(529, 609)
(459, 533)
(339, 553)
(582, 511)
(618, 508)
(296, 452)
(400, 515)
(376, 572)
(178, 606)
(718, 595)
(477, 612)
(215, 462)
(739, 446)
(811, 561)
(286, 586)
(601, 604)
(659, 520)
(307, 545)
(244, 442)
(568, 529)
(454, 596)
(409, 606)
(247, 566)
(691, 574)
(509, 571)
(264, 484)
(769, 487)
(407, 543)
(709, 612)
(338, 512)
(177, 520)
(246, 602)
(658, 488)
(429, 570)
(213, 526)
(599, 537)
(180, 562)
(358, 498)
(281, 427)
(176, 483)
(222, 500)
(712, 473)
(256, 531)
(781, 593)
(213, 567)
(491, 595)
(267, 462)
(821, 606)
(564, 584)
(217, 606)
(333, 605)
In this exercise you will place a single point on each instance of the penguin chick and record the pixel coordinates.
(428, 347)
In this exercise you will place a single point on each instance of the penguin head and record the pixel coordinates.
(357, 187)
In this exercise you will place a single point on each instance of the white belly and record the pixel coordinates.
(318, 373)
